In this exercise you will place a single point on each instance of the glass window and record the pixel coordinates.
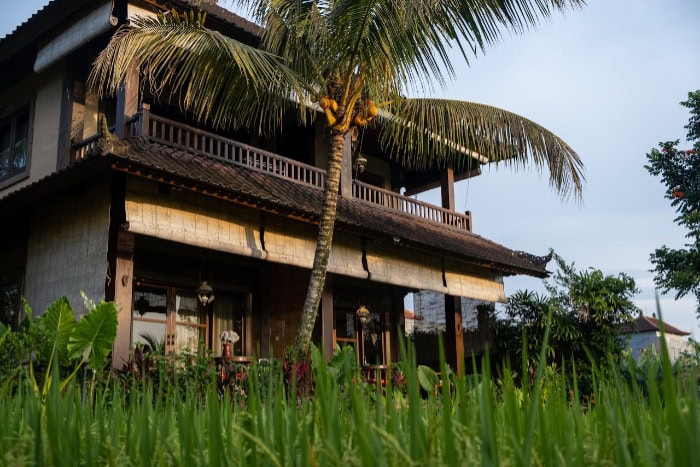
(150, 313)
(9, 303)
(345, 330)
(229, 315)
(14, 145)
(190, 323)
(170, 320)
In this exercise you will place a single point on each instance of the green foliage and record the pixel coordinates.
(679, 269)
(14, 349)
(92, 338)
(61, 346)
(56, 325)
(471, 421)
(587, 308)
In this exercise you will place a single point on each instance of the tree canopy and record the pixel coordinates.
(679, 169)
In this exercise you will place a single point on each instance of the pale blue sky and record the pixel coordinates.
(608, 79)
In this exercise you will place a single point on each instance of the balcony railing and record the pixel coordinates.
(179, 135)
(397, 202)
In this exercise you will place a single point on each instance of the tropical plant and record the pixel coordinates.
(62, 342)
(679, 169)
(587, 310)
(352, 62)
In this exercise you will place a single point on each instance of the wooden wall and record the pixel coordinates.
(207, 222)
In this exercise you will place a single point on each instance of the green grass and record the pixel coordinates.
(346, 422)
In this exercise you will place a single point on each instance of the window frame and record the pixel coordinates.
(209, 324)
(11, 117)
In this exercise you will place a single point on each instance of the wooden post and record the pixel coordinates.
(346, 169)
(454, 339)
(447, 188)
(454, 336)
(327, 318)
(123, 283)
(144, 115)
(394, 326)
(127, 100)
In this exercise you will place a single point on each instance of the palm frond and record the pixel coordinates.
(215, 77)
(420, 132)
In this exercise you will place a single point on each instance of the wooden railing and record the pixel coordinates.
(401, 203)
(82, 148)
(179, 135)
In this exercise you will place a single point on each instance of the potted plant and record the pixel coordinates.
(228, 338)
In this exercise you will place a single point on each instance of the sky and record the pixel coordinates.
(608, 79)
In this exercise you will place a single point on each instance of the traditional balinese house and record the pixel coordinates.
(192, 230)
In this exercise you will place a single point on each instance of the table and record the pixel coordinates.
(234, 367)
(376, 372)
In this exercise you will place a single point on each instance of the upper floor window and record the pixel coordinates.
(14, 144)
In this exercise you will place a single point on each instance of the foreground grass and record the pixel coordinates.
(349, 423)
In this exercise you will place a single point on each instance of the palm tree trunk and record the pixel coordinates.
(323, 247)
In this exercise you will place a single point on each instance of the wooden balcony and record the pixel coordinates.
(181, 136)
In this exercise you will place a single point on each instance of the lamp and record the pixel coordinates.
(362, 314)
(359, 164)
(142, 305)
(205, 293)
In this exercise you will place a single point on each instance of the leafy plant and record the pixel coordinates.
(13, 351)
(155, 346)
(587, 309)
(63, 342)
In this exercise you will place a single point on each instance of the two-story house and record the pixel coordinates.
(193, 231)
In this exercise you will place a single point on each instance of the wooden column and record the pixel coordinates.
(395, 326)
(447, 188)
(127, 100)
(454, 338)
(327, 318)
(123, 283)
(346, 169)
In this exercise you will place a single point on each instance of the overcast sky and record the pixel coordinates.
(608, 79)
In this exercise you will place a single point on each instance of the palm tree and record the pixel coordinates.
(351, 62)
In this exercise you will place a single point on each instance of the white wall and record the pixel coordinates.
(651, 341)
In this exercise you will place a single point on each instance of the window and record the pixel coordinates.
(367, 339)
(9, 303)
(14, 145)
(172, 320)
